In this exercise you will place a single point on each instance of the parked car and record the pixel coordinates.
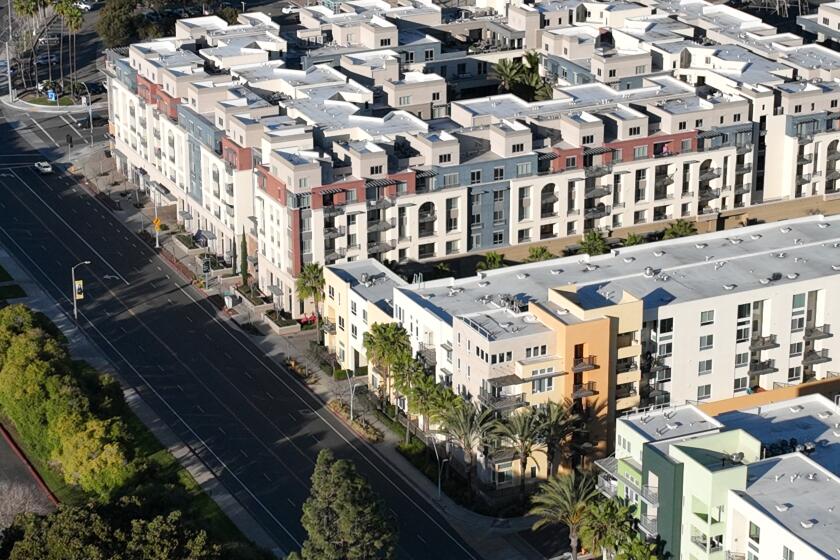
(49, 40)
(44, 167)
(46, 59)
(95, 87)
(98, 120)
(84, 6)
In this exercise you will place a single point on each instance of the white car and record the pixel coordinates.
(43, 167)
(84, 6)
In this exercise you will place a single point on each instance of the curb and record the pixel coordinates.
(21, 105)
(34, 473)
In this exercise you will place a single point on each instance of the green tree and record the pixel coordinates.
(229, 14)
(71, 533)
(521, 433)
(531, 60)
(558, 423)
(608, 526)
(593, 243)
(166, 538)
(492, 260)
(633, 239)
(407, 373)
(310, 285)
(117, 24)
(509, 73)
(243, 262)
(539, 253)
(564, 500)
(680, 228)
(385, 344)
(343, 518)
(443, 270)
(638, 549)
(467, 427)
(424, 396)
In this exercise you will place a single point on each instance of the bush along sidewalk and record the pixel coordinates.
(360, 425)
(112, 475)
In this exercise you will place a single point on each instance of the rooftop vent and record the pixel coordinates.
(629, 259)
(823, 225)
(649, 272)
(455, 291)
(556, 271)
(701, 245)
(812, 476)
(796, 408)
(729, 287)
(590, 268)
(735, 240)
(782, 507)
(781, 255)
(719, 264)
(483, 284)
(736, 457)
(522, 275)
(784, 229)
(764, 281)
(793, 276)
(658, 253)
(797, 241)
(808, 523)
(364, 277)
(835, 267)
(755, 236)
(825, 414)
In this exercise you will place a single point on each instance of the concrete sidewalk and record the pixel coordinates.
(20, 105)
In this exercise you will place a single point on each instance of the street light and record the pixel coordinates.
(8, 54)
(90, 110)
(73, 292)
(353, 387)
(243, 6)
(441, 464)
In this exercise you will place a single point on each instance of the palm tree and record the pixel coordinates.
(544, 91)
(680, 228)
(385, 344)
(509, 73)
(73, 20)
(532, 62)
(539, 253)
(407, 373)
(310, 284)
(492, 260)
(521, 434)
(558, 422)
(593, 243)
(467, 427)
(564, 500)
(633, 239)
(638, 548)
(424, 397)
(608, 526)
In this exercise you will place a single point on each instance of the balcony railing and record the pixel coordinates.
(818, 333)
(761, 367)
(427, 354)
(647, 523)
(597, 170)
(804, 159)
(334, 232)
(663, 180)
(333, 211)
(745, 188)
(596, 192)
(500, 402)
(742, 168)
(815, 357)
(742, 149)
(381, 225)
(709, 194)
(650, 494)
(803, 179)
(624, 367)
(380, 204)
(607, 485)
(376, 247)
(833, 156)
(584, 364)
(758, 342)
(426, 217)
(327, 326)
(596, 212)
(583, 390)
(710, 174)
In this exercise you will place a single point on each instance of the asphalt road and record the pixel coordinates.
(251, 421)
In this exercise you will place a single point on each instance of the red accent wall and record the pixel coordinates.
(559, 163)
(294, 240)
(240, 158)
(408, 177)
(673, 143)
(167, 104)
(147, 90)
(271, 185)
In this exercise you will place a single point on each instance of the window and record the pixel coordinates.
(707, 318)
(742, 359)
(796, 349)
(498, 238)
(666, 326)
(436, 96)
(444, 158)
(736, 117)
(364, 316)
(375, 169)
(634, 131)
(682, 125)
(354, 331)
(385, 42)
(352, 307)
(707, 341)
(450, 179)
(833, 103)
(797, 108)
(571, 162)
(755, 533)
(341, 323)
(685, 145)
(428, 55)
(331, 292)
(640, 69)
(498, 173)
(740, 384)
(475, 177)
(404, 100)
(797, 321)
(698, 123)
(794, 373)
(787, 554)
(523, 169)
(542, 385)
(704, 392)
(704, 367)
(612, 73)
(517, 148)
(588, 139)
(640, 152)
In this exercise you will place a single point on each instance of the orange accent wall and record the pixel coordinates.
(828, 387)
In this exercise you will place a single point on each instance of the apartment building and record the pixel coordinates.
(757, 483)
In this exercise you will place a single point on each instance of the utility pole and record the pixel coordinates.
(8, 53)
(77, 293)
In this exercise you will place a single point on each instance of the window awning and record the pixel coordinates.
(331, 191)
(380, 182)
(597, 150)
(546, 156)
(423, 173)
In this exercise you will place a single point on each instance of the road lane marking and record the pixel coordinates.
(45, 132)
(73, 128)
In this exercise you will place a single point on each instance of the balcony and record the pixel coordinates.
(500, 401)
(607, 485)
(742, 149)
(803, 179)
(622, 392)
(647, 523)
(426, 217)
(381, 225)
(660, 195)
(336, 253)
(758, 342)
(833, 156)
(596, 212)
(596, 192)
(379, 204)
(663, 180)
(804, 159)
(229, 189)
(334, 232)
(377, 247)
(742, 168)
(333, 211)
(805, 138)
(426, 353)
(818, 333)
(709, 174)
(709, 194)
(597, 170)
(746, 188)
(583, 390)
(549, 198)
(815, 357)
(584, 364)
(327, 326)
(762, 367)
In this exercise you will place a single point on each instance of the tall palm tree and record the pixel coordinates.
(633, 239)
(539, 253)
(424, 397)
(638, 548)
(680, 228)
(407, 373)
(73, 20)
(544, 91)
(492, 260)
(385, 344)
(521, 433)
(467, 426)
(564, 500)
(593, 243)
(532, 62)
(608, 527)
(310, 285)
(558, 423)
(509, 73)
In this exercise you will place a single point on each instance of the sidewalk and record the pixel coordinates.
(83, 348)
(21, 105)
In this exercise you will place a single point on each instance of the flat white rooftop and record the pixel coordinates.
(671, 422)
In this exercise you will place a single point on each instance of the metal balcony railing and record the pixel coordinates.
(742, 149)
(426, 217)
(818, 333)
(381, 225)
(596, 192)
(380, 204)
(334, 232)
(583, 390)
(709, 174)
(663, 180)
(333, 211)
(745, 188)
(584, 364)
(761, 367)
(815, 357)
(597, 170)
(758, 342)
(376, 247)
(833, 156)
(500, 402)
(709, 194)
(596, 212)
(648, 524)
(742, 168)
(624, 367)
(804, 159)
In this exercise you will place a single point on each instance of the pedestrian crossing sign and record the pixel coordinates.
(79, 289)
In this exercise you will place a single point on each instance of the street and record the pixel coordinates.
(253, 423)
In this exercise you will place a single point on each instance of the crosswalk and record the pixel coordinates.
(48, 135)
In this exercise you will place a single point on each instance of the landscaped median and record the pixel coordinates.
(361, 426)
(118, 486)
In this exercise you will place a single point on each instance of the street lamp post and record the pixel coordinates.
(157, 223)
(353, 387)
(243, 6)
(90, 110)
(8, 53)
(441, 464)
(73, 292)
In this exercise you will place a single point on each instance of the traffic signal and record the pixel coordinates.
(69, 140)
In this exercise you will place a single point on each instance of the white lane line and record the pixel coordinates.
(291, 502)
(36, 123)
(73, 128)
(68, 226)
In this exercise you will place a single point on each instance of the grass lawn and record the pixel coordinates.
(4, 276)
(40, 100)
(11, 291)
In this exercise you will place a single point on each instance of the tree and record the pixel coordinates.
(531, 60)
(509, 73)
(558, 422)
(638, 548)
(539, 253)
(385, 344)
(564, 500)
(608, 527)
(467, 427)
(424, 398)
(492, 260)
(243, 262)
(680, 228)
(593, 243)
(229, 14)
(18, 498)
(407, 373)
(343, 518)
(310, 284)
(165, 538)
(117, 24)
(443, 270)
(521, 434)
(633, 239)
